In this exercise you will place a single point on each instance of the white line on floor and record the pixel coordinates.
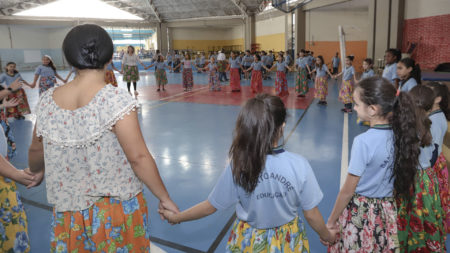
(344, 158)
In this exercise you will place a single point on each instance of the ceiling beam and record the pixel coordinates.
(321, 3)
(242, 7)
(10, 10)
(129, 8)
(152, 6)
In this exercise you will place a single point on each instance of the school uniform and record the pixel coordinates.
(346, 91)
(269, 215)
(281, 87)
(390, 72)
(256, 82)
(321, 83)
(406, 86)
(369, 222)
(301, 86)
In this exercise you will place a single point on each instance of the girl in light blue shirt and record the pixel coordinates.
(348, 81)
(321, 80)
(266, 184)
(382, 165)
(409, 73)
(392, 57)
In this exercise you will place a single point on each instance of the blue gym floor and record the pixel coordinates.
(190, 143)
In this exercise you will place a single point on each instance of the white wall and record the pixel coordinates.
(271, 25)
(200, 34)
(237, 32)
(24, 37)
(56, 37)
(426, 8)
(323, 25)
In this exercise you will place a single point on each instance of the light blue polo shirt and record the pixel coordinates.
(247, 60)
(286, 183)
(322, 71)
(390, 72)
(438, 128)
(44, 71)
(281, 66)
(8, 80)
(367, 74)
(257, 65)
(408, 85)
(426, 155)
(349, 72)
(302, 62)
(235, 64)
(372, 159)
(160, 65)
(336, 61)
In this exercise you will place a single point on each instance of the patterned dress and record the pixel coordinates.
(256, 82)
(321, 88)
(440, 168)
(281, 87)
(110, 78)
(99, 204)
(188, 78)
(47, 78)
(214, 84)
(22, 108)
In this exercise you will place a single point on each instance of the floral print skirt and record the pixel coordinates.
(13, 225)
(440, 168)
(346, 92)
(290, 237)
(46, 82)
(256, 82)
(109, 225)
(161, 77)
(281, 87)
(130, 74)
(188, 78)
(420, 220)
(321, 88)
(367, 225)
(214, 83)
(22, 108)
(301, 86)
(110, 78)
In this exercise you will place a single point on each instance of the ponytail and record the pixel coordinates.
(406, 144)
(415, 73)
(401, 112)
(423, 98)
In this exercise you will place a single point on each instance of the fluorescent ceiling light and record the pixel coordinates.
(79, 9)
(127, 35)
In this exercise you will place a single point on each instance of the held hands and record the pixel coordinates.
(37, 178)
(10, 103)
(333, 230)
(24, 177)
(167, 210)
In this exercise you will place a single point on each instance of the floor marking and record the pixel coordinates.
(222, 233)
(181, 94)
(344, 158)
(176, 99)
(37, 204)
(296, 124)
(174, 245)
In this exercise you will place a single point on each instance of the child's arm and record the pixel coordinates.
(60, 78)
(36, 159)
(130, 137)
(34, 81)
(343, 198)
(329, 73)
(315, 219)
(338, 75)
(149, 66)
(289, 68)
(114, 67)
(249, 69)
(198, 211)
(9, 103)
(9, 171)
(68, 76)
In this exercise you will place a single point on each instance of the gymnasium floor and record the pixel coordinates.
(189, 135)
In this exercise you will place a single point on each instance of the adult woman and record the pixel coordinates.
(130, 69)
(95, 157)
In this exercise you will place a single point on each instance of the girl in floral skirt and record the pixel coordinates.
(235, 67)
(266, 184)
(188, 78)
(110, 78)
(281, 87)
(420, 213)
(348, 81)
(214, 82)
(46, 73)
(382, 165)
(8, 78)
(160, 72)
(256, 82)
(301, 87)
(439, 116)
(321, 81)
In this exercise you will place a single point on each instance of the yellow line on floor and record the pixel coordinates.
(190, 94)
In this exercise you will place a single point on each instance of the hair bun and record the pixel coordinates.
(89, 53)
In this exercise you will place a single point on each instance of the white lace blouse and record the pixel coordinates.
(83, 158)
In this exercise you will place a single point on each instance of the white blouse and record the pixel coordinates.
(83, 158)
(130, 60)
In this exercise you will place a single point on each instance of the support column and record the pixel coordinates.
(385, 27)
(300, 30)
(249, 32)
(161, 37)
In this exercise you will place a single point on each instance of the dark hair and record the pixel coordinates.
(88, 47)
(321, 60)
(258, 57)
(9, 63)
(423, 98)
(401, 112)
(132, 48)
(258, 127)
(350, 57)
(415, 72)
(160, 58)
(441, 90)
(369, 61)
(396, 53)
(247, 51)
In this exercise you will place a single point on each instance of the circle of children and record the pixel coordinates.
(394, 199)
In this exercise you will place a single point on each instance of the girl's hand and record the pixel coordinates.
(168, 205)
(38, 176)
(24, 177)
(16, 85)
(168, 215)
(10, 103)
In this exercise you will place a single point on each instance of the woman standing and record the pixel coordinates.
(130, 69)
(96, 160)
